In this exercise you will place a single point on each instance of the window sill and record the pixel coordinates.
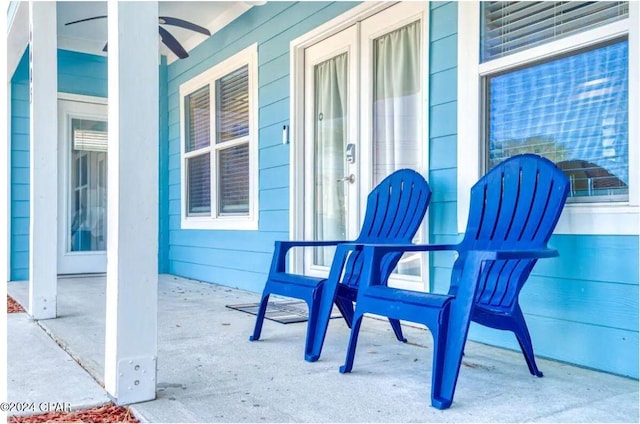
(599, 219)
(224, 223)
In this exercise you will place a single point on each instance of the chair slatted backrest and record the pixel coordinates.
(516, 205)
(395, 209)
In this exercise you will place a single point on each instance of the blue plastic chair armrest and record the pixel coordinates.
(288, 244)
(283, 246)
(526, 253)
(383, 249)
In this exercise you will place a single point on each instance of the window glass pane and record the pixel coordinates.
(88, 199)
(234, 180)
(574, 111)
(331, 87)
(396, 101)
(199, 185)
(89, 135)
(197, 119)
(511, 26)
(232, 116)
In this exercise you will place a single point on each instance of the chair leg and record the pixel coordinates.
(353, 342)
(260, 317)
(309, 354)
(447, 357)
(397, 329)
(524, 339)
(345, 306)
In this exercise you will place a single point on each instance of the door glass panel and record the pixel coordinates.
(88, 186)
(330, 130)
(396, 111)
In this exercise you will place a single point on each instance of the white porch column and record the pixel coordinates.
(43, 162)
(132, 248)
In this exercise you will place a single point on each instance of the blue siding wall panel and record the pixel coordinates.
(81, 73)
(163, 168)
(19, 237)
(581, 307)
(207, 255)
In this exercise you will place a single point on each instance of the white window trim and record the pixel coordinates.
(598, 218)
(248, 56)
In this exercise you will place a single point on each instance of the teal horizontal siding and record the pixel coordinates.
(245, 241)
(595, 258)
(274, 91)
(19, 208)
(78, 73)
(274, 199)
(576, 300)
(277, 177)
(602, 348)
(163, 170)
(244, 279)
(81, 73)
(270, 71)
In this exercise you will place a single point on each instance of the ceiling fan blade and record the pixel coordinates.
(173, 44)
(87, 19)
(167, 20)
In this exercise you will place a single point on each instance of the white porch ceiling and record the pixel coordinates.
(90, 36)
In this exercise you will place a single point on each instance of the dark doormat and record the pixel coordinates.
(282, 311)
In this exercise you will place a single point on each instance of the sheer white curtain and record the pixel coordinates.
(396, 112)
(396, 101)
(330, 140)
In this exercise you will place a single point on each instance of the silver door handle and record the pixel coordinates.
(350, 179)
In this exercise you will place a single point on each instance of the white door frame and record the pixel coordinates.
(297, 104)
(76, 105)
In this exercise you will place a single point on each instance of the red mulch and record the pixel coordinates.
(103, 414)
(13, 306)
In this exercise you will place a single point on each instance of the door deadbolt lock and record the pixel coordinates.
(350, 153)
(350, 179)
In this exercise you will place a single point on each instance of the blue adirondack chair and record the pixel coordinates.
(514, 209)
(395, 209)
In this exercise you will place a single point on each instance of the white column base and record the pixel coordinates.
(136, 380)
(42, 307)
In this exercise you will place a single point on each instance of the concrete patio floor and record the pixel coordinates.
(208, 371)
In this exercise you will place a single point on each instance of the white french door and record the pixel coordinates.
(364, 117)
(82, 206)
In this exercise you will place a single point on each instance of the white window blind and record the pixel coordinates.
(508, 27)
(89, 135)
(233, 105)
(234, 180)
(232, 129)
(199, 184)
(197, 141)
(197, 106)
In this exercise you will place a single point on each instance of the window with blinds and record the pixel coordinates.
(233, 105)
(508, 27)
(571, 108)
(218, 144)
